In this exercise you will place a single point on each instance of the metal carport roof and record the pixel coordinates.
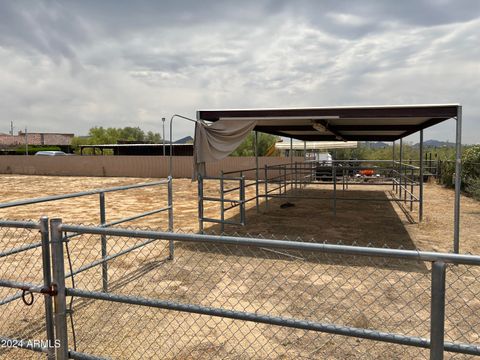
(345, 123)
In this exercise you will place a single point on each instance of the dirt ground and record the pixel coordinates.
(365, 293)
(362, 222)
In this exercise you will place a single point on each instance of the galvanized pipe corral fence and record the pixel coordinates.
(225, 296)
(286, 181)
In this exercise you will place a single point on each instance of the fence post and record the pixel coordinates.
(171, 245)
(200, 203)
(222, 204)
(59, 283)
(104, 244)
(243, 219)
(47, 282)
(266, 187)
(437, 316)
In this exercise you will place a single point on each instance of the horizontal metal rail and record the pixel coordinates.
(39, 289)
(331, 198)
(227, 178)
(274, 320)
(292, 245)
(20, 249)
(207, 198)
(239, 171)
(82, 356)
(109, 257)
(77, 194)
(135, 217)
(19, 224)
(218, 221)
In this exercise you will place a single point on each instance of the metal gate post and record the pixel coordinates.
(59, 283)
(47, 282)
(437, 316)
(171, 245)
(104, 244)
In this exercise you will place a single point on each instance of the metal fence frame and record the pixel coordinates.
(406, 181)
(54, 289)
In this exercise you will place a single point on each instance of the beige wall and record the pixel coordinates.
(132, 166)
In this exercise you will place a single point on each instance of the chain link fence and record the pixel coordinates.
(232, 297)
(22, 312)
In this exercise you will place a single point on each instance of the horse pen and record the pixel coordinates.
(220, 268)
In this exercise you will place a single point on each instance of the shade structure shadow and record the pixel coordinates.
(371, 222)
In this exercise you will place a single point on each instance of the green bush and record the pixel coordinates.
(473, 188)
(471, 164)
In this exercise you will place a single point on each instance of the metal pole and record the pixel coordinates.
(411, 188)
(200, 203)
(291, 164)
(171, 245)
(334, 176)
(222, 204)
(304, 151)
(266, 187)
(243, 219)
(163, 136)
(437, 316)
(458, 182)
(400, 170)
(420, 195)
(58, 282)
(393, 166)
(256, 172)
(104, 244)
(47, 282)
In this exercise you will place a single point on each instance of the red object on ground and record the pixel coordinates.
(367, 172)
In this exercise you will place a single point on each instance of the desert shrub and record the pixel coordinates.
(471, 164)
(473, 188)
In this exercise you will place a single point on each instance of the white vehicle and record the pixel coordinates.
(51, 153)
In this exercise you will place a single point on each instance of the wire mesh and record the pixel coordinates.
(371, 293)
(18, 320)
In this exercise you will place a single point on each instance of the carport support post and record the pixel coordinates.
(458, 182)
(58, 281)
(304, 150)
(256, 171)
(393, 166)
(400, 169)
(420, 196)
(437, 315)
(291, 163)
(104, 244)
(334, 178)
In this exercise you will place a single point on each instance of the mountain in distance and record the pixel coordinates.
(426, 144)
(436, 144)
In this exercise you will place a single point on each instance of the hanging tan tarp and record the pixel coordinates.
(217, 141)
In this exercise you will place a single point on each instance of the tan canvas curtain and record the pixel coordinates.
(216, 141)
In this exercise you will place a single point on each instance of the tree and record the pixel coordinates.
(247, 147)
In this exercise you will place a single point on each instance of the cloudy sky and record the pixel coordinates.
(66, 66)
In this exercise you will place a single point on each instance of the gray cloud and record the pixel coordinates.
(70, 65)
